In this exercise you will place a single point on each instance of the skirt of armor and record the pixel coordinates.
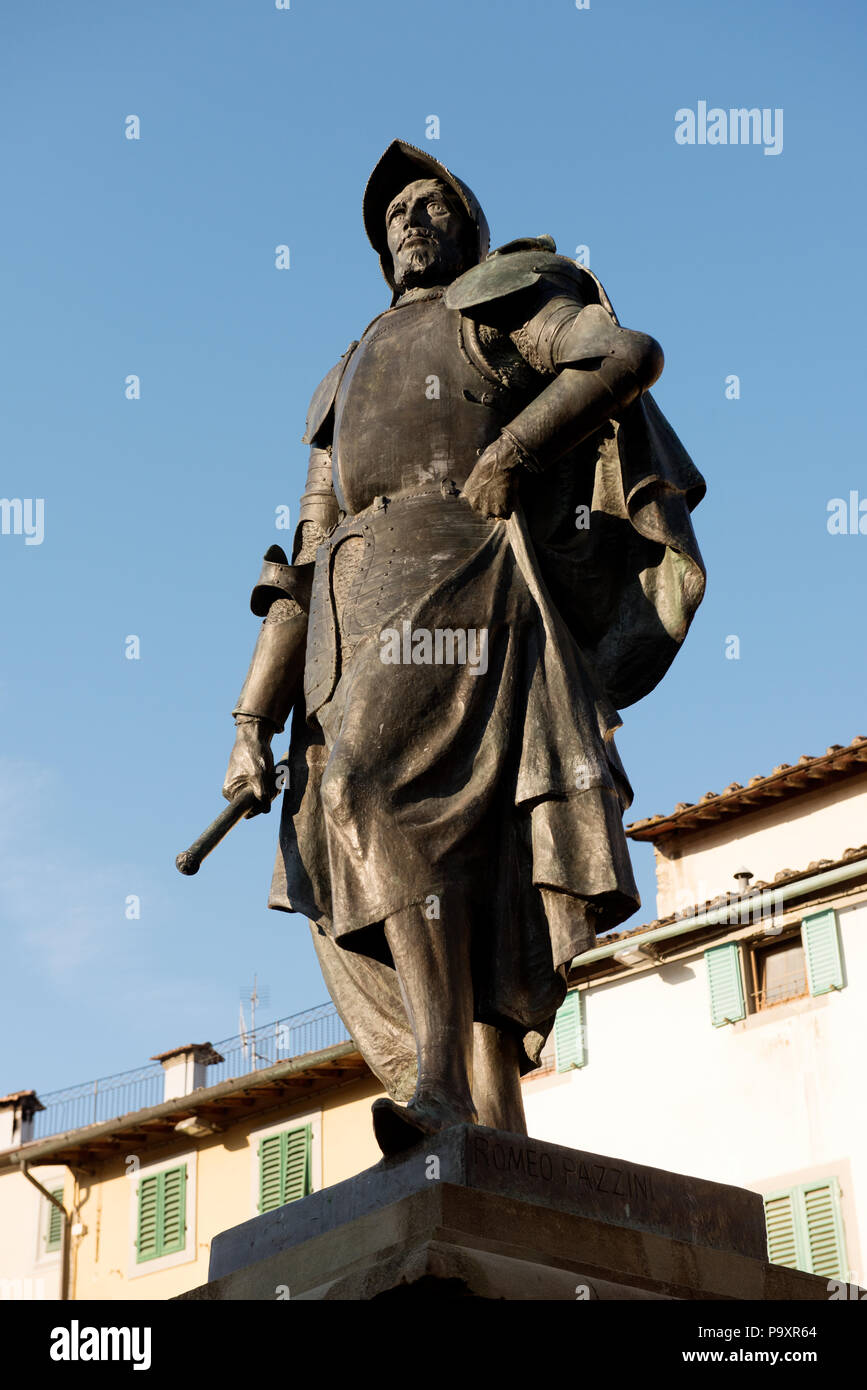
(494, 776)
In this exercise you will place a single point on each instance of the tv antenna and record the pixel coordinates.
(253, 997)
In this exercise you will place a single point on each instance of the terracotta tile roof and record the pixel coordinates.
(15, 1097)
(808, 774)
(729, 899)
(227, 1103)
(204, 1052)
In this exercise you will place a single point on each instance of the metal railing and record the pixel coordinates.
(782, 991)
(310, 1031)
(112, 1096)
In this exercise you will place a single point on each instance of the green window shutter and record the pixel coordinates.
(54, 1235)
(822, 951)
(297, 1181)
(148, 1209)
(805, 1229)
(724, 983)
(784, 1235)
(824, 1229)
(174, 1210)
(271, 1172)
(162, 1205)
(570, 1044)
(284, 1167)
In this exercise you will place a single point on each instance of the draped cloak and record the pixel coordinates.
(414, 780)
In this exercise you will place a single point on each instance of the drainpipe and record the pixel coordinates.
(65, 1217)
(730, 912)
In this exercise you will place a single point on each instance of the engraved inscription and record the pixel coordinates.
(564, 1170)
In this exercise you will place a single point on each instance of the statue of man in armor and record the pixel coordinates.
(494, 554)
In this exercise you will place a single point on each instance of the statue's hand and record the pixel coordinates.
(492, 487)
(251, 765)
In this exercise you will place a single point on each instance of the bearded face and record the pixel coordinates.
(426, 233)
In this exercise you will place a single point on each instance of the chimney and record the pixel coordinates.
(184, 1068)
(16, 1118)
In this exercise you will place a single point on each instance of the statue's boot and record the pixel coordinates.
(401, 1127)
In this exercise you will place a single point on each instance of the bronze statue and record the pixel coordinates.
(494, 553)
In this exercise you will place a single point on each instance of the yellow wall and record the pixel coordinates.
(348, 1144)
(221, 1171)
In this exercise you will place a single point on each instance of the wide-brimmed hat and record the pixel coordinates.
(402, 164)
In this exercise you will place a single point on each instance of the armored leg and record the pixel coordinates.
(497, 1079)
(432, 960)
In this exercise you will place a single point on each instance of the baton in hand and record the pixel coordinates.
(189, 860)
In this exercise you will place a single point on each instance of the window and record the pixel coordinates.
(779, 971)
(570, 1032)
(54, 1223)
(805, 1229)
(285, 1167)
(162, 1226)
(804, 962)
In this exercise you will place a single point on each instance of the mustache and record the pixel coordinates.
(420, 232)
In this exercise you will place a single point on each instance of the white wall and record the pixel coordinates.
(789, 835)
(765, 1103)
(26, 1271)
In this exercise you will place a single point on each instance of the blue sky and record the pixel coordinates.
(155, 257)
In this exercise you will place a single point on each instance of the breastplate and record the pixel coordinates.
(411, 409)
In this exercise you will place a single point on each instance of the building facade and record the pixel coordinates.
(722, 1040)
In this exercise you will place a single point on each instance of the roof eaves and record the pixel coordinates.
(730, 899)
(40, 1150)
(808, 774)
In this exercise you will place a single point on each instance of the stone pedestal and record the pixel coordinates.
(480, 1214)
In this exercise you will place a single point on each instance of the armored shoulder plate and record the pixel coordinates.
(323, 398)
(516, 266)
